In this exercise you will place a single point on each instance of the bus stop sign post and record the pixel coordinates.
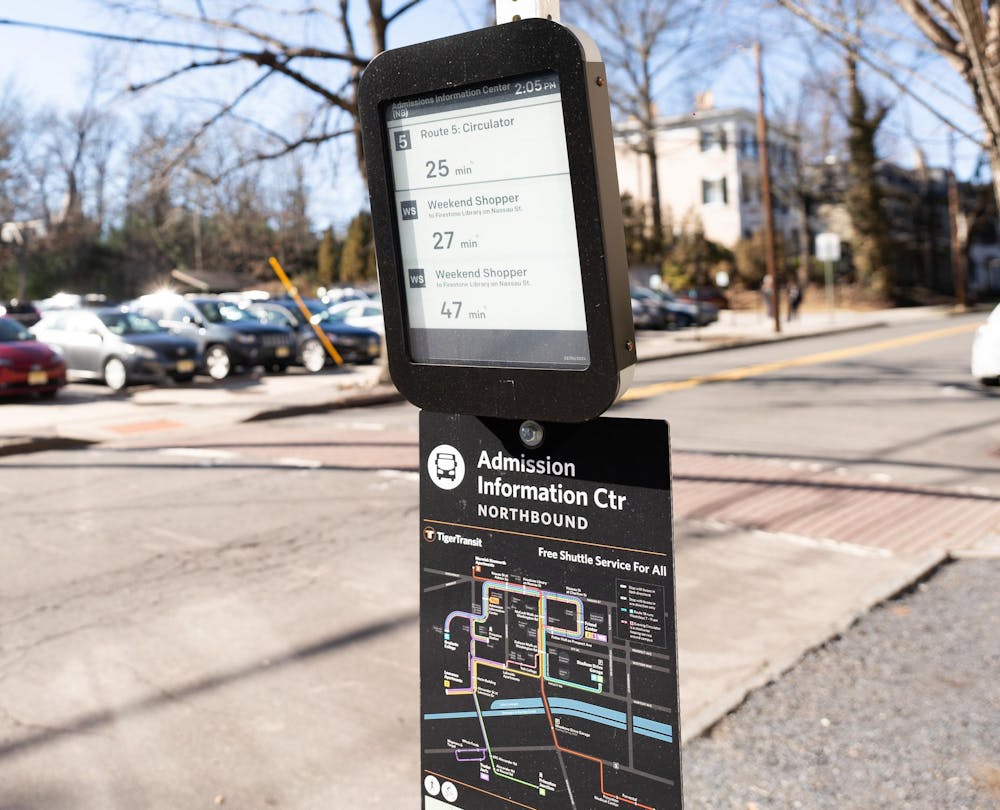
(548, 638)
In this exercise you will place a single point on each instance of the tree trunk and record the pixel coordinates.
(656, 240)
(870, 242)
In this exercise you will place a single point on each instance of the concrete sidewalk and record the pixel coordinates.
(738, 328)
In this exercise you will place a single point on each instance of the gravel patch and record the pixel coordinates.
(901, 712)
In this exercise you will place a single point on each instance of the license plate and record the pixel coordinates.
(37, 378)
(373, 350)
(185, 366)
(282, 351)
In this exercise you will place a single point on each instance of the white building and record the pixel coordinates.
(709, 171)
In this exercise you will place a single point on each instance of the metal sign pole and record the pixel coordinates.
(514, 10)
(829, 288)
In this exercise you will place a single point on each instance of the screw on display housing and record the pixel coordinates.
(531, 434)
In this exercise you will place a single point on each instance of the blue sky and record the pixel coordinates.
(55, 69)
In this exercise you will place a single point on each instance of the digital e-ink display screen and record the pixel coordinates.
(487, 231)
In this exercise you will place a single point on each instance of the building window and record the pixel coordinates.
(749, 189)
(747, 144)
(710, 138)
(714, 191)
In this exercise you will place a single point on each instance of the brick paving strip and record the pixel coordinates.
(781, 497)
(769, 495)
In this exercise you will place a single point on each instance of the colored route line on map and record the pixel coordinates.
(543, 597)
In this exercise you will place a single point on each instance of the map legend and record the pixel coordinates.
(641, 613)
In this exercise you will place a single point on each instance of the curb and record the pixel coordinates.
(922, 567)
(380, 395)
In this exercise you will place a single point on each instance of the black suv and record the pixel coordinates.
(227, 336)
(24, 312)
(354, 344)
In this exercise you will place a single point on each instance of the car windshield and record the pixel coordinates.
(224, 312)
(273, 316)
(315, 307)
(328, 317)
(11, 331)
(128, 323)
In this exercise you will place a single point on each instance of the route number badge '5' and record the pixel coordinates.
(548, 641)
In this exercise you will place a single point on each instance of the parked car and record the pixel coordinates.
(228, 337)
(27, 366)
(706, 294)
(118, 347)
(363, 312)
(355, 344)
(649, 311)
(338, 295)
(24, 312)
(689, 312)
(985, 359)
(707, 312)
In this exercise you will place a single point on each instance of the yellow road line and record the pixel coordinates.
(743, 372)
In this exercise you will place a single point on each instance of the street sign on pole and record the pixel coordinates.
(827, 247)
(828, 252)
(548, 633)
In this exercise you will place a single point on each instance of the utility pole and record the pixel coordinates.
(765, 192)
(957, 254)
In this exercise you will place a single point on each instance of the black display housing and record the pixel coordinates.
(507, 51)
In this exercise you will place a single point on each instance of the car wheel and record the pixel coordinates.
(991, 382)
(684, 320)
(218, 362)
(115, 374)
(313, 356)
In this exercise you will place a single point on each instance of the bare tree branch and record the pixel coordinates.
(941, 38)
(138, 88)
(399, 12)
(845, 38)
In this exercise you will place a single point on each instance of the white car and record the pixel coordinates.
(366, 313)
(986, 350)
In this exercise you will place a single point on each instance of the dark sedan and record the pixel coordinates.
(27, 366)
(118, 346)
(355, 344)
(24, 312)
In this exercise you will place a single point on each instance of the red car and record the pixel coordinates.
(27, 366)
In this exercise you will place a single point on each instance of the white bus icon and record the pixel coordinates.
(445, 466)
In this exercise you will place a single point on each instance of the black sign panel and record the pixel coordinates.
(548, 642)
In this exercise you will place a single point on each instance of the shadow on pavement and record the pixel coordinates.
(95, 720)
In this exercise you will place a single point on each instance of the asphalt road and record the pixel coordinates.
(227, 614)
(896, 402)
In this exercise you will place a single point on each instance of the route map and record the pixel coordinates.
(548, 668)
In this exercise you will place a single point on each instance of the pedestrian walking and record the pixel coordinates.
(767, 292)
(794, 299)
